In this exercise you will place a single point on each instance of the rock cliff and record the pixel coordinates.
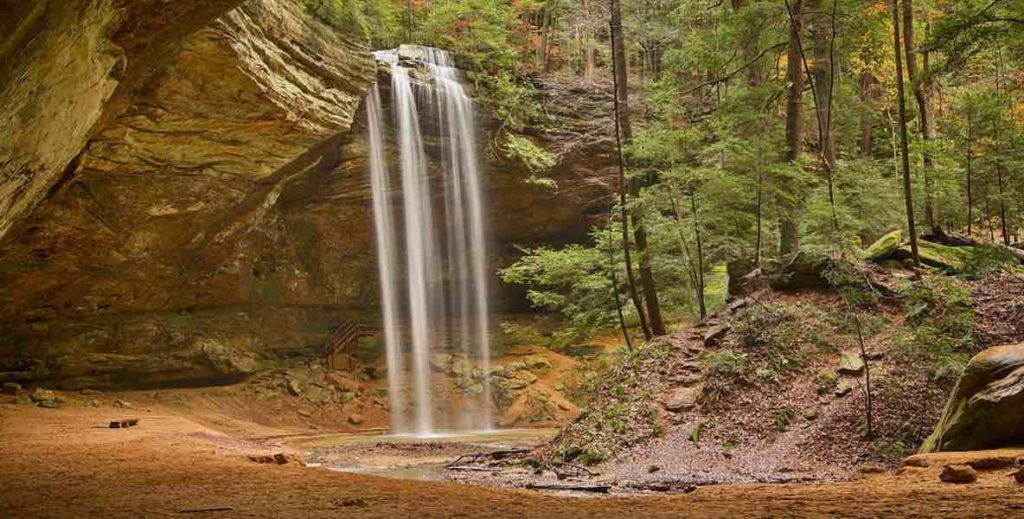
(183, 197)
(146, 257)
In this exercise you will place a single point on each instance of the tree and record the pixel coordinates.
(920, 83)
(789, 239)
(904, 147)
(624, 132)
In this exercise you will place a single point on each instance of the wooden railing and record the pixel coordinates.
(342, 344)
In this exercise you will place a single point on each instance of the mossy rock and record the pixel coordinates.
(801, 271)
(951, 260)
(943, 257)
(884, 247)
(986, 409)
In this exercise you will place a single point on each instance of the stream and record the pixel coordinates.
(411, 456)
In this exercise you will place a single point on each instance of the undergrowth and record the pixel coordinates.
(767, 344)
(940, 332)
(621, 407)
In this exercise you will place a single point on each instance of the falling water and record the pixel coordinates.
(384, 230)
(444, 272)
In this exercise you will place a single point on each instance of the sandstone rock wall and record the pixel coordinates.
(144, 258)
(64, 64)
(201, 206)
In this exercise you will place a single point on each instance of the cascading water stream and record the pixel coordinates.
(444, 272)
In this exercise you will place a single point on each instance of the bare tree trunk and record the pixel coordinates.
(999, 159)
(868, 407)
(789, 232)
(822, 74)
(822, 86)
(615, 282)
(901, 103)
(970, 161)
(919, 84)
(700, 258)
(696, 279)
(867, 96)
(657, 324)
(622, 129)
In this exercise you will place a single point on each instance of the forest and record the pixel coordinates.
(512, 258)
(749, 130)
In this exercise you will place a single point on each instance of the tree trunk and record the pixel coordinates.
(822, 74)
(615, 283)
(867, 96)
(970, 161)
(901, 104)
(823, 38)
(700, 258)
(999, 149)
(919, 83)
(789, 232)
(622, 129)
(657, 324)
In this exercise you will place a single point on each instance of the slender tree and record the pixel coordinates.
(920, 83)
(789, 232)
(624, 132)
(621, 127)
(970, 168)
(901, 103)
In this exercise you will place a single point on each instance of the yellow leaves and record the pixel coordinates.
(876, 8)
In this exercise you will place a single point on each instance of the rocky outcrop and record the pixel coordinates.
(183, 196)
(144, 262)
(68, 65)
(986, 409)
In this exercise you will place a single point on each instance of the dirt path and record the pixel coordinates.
(64, 463)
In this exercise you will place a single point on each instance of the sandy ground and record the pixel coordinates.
(66, 463)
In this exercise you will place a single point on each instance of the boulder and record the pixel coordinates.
(916, 461)
(738, 304)
(986, 408)
(845, 387)
(958, 474)
(275, 459)
(12, 388)
(801, 271)
(537, 363)
(441, 362)
(850, 363)
(40, 395)
(461, 367)
(943, 257)
(683, 399)
(884, 247)
(715, 334)
(521, 379)
(737, 271)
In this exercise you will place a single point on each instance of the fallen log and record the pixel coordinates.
(495, 455)
(596, 489)
(470, 468)
(124, 424)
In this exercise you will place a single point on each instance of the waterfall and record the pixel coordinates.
(444, 272)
